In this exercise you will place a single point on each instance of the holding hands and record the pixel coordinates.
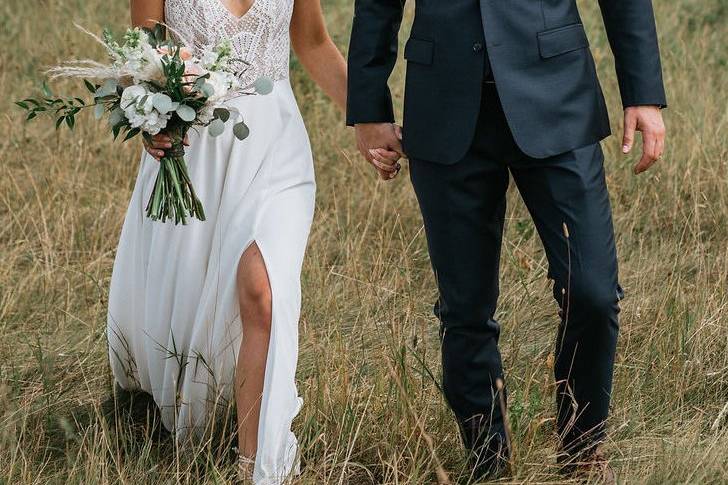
(381, 145)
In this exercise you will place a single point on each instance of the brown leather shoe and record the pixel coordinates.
(595, 467)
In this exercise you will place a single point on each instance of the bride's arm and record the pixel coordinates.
(316, 51)
(146, 13)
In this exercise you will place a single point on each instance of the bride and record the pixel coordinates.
(208, 312)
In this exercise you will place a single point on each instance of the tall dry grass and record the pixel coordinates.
(369, 368)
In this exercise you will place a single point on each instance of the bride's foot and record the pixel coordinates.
(245, 470)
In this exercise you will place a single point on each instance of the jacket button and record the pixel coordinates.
(477, 47)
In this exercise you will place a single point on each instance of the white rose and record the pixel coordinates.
(140, 114)
(131, 94)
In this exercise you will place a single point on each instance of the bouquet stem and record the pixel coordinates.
(173, 196)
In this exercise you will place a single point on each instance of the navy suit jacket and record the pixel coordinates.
(539, 57)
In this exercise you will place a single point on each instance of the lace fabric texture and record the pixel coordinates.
(260, 37)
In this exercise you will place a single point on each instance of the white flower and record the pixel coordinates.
(206, 113)
(138, 58)
(218, 57)
(151, 66)
(208, 59)
(131, 94)
(138, 108)
(222, 83)
(132, 52)
(219, 84)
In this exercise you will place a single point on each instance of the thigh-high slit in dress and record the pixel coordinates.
(174, 324)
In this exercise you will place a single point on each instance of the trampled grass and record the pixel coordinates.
(368, 289)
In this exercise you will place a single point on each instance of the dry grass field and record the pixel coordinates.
(368, 289)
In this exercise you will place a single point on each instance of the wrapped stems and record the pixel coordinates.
(173, 196)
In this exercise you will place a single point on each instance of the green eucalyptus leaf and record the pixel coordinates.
(263, 85)
(162, 103)
(70, 121)
(90, 86)
(22, 104)
(241, 130)
(98, 111)
(116, 116)
(221, 113)
(186, 113)
(207, 89)
(107, 88)
(216, 127)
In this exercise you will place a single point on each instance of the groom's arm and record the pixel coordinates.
(372, 55)
(632, 35)
(631, 31)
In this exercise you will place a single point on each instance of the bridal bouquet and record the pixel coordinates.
(150, 85)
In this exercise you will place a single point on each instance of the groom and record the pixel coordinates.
(493, 87)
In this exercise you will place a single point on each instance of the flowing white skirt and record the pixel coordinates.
(174, 325)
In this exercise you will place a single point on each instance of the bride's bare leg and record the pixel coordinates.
(255, 298)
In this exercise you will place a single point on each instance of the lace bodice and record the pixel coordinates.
(259, 37)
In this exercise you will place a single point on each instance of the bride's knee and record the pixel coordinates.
(254, 292)
(255, 305)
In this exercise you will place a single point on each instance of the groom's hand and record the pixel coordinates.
(381, 145)
(648, 120)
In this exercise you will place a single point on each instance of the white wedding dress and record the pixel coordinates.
(174, 325)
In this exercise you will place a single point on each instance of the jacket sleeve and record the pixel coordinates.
(372, 55)
(630, 26)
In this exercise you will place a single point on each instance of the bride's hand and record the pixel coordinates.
(160, 142)
(386, 162)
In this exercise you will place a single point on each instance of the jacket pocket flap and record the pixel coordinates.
(420, 51)
(562, 40)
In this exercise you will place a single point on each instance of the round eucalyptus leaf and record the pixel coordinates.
(207, 89)
(98, 111)
(241, 130)
(107, 88)
(216, 127)
(186, 113)
(222, 113)
(162, 103)
(263, 85)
